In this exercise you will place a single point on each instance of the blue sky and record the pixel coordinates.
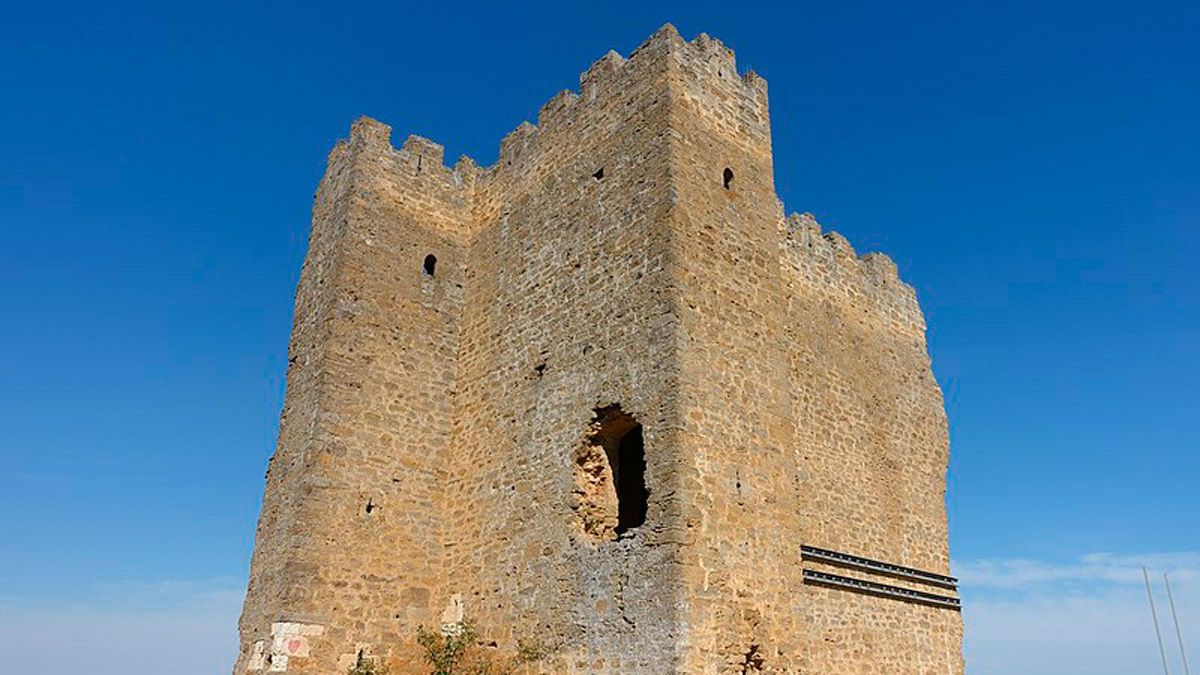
(1032, 168)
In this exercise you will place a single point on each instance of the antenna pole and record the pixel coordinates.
(1161, 652)
(1175, 618)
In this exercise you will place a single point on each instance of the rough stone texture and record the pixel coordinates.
(439, 452)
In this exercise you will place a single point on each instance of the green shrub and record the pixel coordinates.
(459, 653)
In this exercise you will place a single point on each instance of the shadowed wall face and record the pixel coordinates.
(598, 395)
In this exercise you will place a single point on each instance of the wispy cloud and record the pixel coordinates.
(1087, 616)
(177, 627)
(1184, 567)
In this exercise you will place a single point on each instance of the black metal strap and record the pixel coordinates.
(858, 562)
(882, 590)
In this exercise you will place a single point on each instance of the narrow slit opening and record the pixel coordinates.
(629, 475)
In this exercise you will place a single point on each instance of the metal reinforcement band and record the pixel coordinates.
(857, 562)
(882, 590)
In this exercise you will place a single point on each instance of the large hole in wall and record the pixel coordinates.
(611, 498)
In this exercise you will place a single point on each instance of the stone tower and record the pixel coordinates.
(604, 395)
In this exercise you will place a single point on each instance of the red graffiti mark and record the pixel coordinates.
(294, 645)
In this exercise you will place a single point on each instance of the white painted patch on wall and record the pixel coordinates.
(452, 615)
(288, 640)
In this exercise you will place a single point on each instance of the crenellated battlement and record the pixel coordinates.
(417, 156)
(664, 67)
(412, 178)
(701, 74)
(703, 64)
(828, 263)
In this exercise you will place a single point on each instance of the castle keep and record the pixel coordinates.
(605, 395)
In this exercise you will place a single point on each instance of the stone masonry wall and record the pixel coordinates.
(734, 384)
(569, 309)
(872, 444)
(348, 543)
(451, 440)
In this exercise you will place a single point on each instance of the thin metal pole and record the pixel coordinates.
(1175, 618)
(1161, 652)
